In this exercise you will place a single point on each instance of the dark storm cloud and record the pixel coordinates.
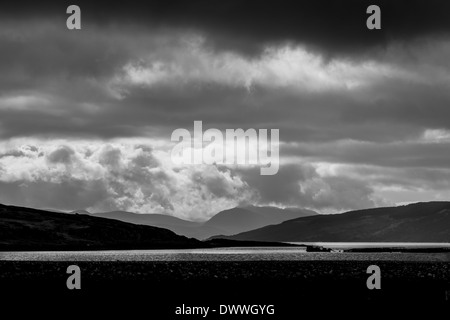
(247, 26)
(76, 73)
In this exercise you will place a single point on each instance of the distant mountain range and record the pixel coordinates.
(419, 222)
(228, 222)
(32, 229)
(26, 229)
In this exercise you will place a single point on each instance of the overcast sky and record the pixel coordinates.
(86, 116)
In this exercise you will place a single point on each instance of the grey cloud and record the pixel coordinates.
(13, 153)
(63, 154)
(117, 176)
(398, 154)
(111, 157)
(340, 193)
(216, 184)
(408, 178)
(336, 27)
(29, 151)
(64, 195)
(301, 185)
(82, 103)
(282, 188)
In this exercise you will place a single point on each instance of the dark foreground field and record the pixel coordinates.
(157, 288)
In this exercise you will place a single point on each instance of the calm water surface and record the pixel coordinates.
(218, 254)
(349, 245)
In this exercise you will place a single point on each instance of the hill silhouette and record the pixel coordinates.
(31, 229)
(227, 222)
(242, 219)
(419, 222)
(27, 229)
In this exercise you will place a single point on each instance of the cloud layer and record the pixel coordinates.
(86, 117)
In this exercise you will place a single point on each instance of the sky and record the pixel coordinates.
(86, 115)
